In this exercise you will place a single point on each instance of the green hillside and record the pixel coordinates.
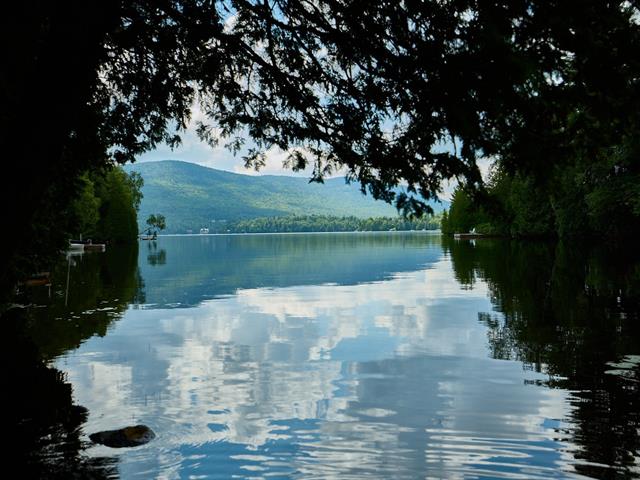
(192, 196)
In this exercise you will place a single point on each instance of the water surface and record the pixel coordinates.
(349, 355)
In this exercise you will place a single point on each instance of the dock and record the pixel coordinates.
(468, 236)
(79, 246)
(95, 247)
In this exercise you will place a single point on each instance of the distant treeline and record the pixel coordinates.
(323, 223)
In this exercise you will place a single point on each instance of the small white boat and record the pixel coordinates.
(204, 230)
(76, 247)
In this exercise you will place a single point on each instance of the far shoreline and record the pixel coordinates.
(431, 232)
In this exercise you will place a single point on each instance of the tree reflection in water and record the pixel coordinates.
(45, 426)
(155, 256)
(570, 311)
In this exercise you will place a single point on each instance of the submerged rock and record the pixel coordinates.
(124, 437)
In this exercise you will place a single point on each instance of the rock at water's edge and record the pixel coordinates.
(124, 437)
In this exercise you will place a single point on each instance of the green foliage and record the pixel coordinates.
(514, 206)
(136, 182)
(444, 223)
(156, 223)
(323, 223)
(466, 214)
(463, 212)
(106, 206)
(600, 197)
(613, 196)
(568, 203)
(529, 208)
(86, 209)
(118, 221)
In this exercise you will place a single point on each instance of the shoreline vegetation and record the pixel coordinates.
(318, 223)
(107, 207)
(103, 209)
(598, 199)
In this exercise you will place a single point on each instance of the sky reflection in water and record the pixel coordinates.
(379, 372)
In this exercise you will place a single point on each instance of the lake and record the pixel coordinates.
(382, 355)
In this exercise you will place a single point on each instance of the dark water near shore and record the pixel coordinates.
(394, 355)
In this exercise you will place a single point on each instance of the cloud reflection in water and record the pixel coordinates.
(389, 378)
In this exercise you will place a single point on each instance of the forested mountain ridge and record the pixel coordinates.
(192, 196)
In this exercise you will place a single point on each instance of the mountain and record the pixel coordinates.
(192, 196)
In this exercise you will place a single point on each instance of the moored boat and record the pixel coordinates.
(77, 246)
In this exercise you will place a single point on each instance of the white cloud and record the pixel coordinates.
(238, 369)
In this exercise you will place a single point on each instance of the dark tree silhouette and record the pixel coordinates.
(44, 421)
(375, 87)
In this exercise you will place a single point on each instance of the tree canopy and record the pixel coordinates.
(378, 87)
(106, 207)
(407, 92)
(600, 199)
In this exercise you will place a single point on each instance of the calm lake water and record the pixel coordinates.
(393, 355)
